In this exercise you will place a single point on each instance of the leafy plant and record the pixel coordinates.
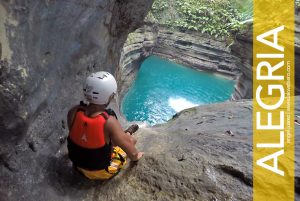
(217, 18)
(158, 7)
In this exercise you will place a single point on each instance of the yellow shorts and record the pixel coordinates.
(118, 160)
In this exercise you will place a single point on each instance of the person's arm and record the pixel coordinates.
(71, 115)
(119, 138)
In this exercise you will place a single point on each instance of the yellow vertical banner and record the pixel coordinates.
(273, 100)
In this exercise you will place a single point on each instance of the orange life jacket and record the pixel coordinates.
(86, 142)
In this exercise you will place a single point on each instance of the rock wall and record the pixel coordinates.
(191, 49)
(242, 48)
(138, 46)
(47, 48)
(195, 50)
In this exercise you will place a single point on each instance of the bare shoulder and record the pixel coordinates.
(113, 126)
(111, 122)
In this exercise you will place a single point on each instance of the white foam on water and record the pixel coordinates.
(143, 124)
(179, 104)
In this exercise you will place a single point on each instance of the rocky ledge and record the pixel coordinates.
(203, 153)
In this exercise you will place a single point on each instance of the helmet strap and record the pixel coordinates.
(109, 99)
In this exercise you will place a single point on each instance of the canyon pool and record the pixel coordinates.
(163, 88)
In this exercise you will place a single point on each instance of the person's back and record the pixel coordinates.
(96, 139)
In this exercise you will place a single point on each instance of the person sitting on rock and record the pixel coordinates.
(96, 139)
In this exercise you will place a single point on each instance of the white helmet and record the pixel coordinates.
(99, 87)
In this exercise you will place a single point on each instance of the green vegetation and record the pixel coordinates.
(217, 18)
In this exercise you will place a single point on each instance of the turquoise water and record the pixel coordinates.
(163, 88)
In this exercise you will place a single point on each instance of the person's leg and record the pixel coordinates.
(118, 160)
(132, 139)
(97, 174)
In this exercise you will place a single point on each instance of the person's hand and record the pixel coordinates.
(132, 129)
(139, 156)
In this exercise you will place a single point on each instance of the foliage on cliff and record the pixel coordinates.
(217, 18)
